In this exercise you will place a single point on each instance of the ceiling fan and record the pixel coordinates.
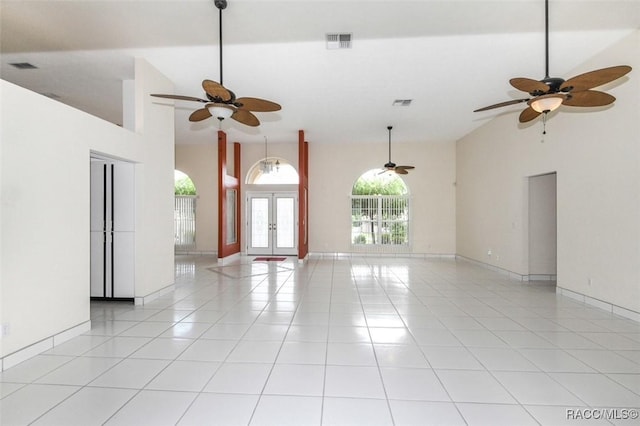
(222, 102)
(550, 93)
(391, 166)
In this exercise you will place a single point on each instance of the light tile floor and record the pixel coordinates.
(360, 341)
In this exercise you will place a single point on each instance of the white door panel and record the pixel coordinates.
(123, 197)
(97, 264)
(97, 195)
(123, 260)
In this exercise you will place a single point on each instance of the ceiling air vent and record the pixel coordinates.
(24, 66)
(339, 41)
(402, 102)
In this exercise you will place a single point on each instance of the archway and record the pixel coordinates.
(272, 171)
(272, 208)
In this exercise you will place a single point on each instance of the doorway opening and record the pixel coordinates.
(184, 213)
(542, 212)
(272, 208)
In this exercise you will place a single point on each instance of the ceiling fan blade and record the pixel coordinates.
(245, 117)
(216, 90)
(405, 167)
(595, 78)
(501, 104)
(199, 115)
(257, 105)
(529, 85)
(528, 115)
(401, 171)
(179, 97)
(588, 98)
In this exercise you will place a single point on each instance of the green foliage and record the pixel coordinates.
(399, 233)
(185, 186)
(371, 184)
(360, 239)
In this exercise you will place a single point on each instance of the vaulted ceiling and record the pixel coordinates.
(449, 57)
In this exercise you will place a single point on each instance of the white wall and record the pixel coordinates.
(596, 155)
(333, 170)
(44, 228)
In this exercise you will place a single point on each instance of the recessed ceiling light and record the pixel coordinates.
(24, 66)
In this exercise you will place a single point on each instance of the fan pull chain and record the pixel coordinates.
(544, 126)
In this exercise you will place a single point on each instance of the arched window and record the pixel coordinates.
(184, 213)
(380, 212)
(272, 170)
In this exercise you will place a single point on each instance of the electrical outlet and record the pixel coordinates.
(497, 257)
(589, 281)
(6, 329)
(489, 252)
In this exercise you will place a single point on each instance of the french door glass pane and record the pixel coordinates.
(231, 217)
(285, 231)
(260, 222)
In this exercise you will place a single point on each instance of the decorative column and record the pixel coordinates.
(229, 200)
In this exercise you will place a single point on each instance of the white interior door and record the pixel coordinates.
(272, 223)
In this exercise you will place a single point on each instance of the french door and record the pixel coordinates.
(272, 219)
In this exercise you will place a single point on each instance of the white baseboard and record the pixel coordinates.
(542, 277)
(142, 300)
(609, 307)
(229, 259)
(349, 255)
(513, 275)
(196, 253)
(43, 345)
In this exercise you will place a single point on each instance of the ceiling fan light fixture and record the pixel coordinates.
(547, 103)
(221, 111)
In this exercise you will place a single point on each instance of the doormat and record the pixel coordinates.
(269, 259)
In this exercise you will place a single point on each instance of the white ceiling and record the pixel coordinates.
(450, 57)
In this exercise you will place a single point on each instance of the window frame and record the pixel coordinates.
(381, 222)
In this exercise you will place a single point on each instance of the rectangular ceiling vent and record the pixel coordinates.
(339, 41)
(24, 66)
(402, 102)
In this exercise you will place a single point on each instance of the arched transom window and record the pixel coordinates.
(272, 170)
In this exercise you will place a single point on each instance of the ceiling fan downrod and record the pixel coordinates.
(221, 5)
(546, 39)
(389, 129)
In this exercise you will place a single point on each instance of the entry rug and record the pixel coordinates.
(269, 259)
